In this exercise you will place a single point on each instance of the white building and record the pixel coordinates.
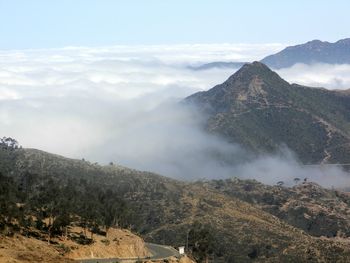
(181, 250)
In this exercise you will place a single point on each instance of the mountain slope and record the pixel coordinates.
(318, 211)
(165, 210)
(314, 51)
(259, 110)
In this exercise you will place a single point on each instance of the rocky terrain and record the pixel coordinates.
(259, 110)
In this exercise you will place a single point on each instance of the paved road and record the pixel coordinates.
(158, 252)
(162, 252)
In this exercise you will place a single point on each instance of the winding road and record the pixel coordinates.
(158, 252)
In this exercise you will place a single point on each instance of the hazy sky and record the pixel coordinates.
(59, 23)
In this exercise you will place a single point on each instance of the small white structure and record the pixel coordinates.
(182, 250)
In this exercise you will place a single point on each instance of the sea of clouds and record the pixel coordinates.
(121, 104)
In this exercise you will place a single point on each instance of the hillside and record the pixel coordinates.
(20, 249)
(306, 205)
(315, 51)
(165, 211)
(259, 110)
(118, 244)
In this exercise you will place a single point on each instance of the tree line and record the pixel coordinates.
(48, 205)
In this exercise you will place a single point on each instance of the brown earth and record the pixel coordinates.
(22, 249)
(119, 243)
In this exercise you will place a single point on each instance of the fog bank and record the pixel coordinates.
(121, 104)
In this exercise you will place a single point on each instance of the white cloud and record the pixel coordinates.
(120, 104)
(318, 75)
(271, 169)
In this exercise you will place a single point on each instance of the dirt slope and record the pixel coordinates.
(119, 243)
(22, 249)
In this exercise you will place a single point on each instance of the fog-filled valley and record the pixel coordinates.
(174, 131)
(123, 105)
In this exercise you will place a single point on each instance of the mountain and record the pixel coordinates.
(218, 65)
(215, 222)
(256, 108)
(315, 51)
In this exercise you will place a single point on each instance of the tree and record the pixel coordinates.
(201, 241)
(9, 143)
(296, 180)
(8, 199)
(54, 203)
(280, 183)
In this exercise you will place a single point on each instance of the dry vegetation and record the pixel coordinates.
(220, 224)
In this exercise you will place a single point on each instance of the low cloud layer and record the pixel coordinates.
(271, 169)
(121, 104)
(318, 75)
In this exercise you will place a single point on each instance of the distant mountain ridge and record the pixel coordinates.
(315, 51)
(218, 64)
(256, 108)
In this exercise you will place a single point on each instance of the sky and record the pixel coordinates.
(60, 23)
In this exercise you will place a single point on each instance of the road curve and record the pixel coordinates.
(161, 252)
(158, 252)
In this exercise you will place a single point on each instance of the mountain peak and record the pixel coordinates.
(253, 84)
(256, 65)
(254, 70)
(315, 42)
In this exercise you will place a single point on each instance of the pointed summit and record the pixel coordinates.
(254, 70)
(255, 67)
(253, 84)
